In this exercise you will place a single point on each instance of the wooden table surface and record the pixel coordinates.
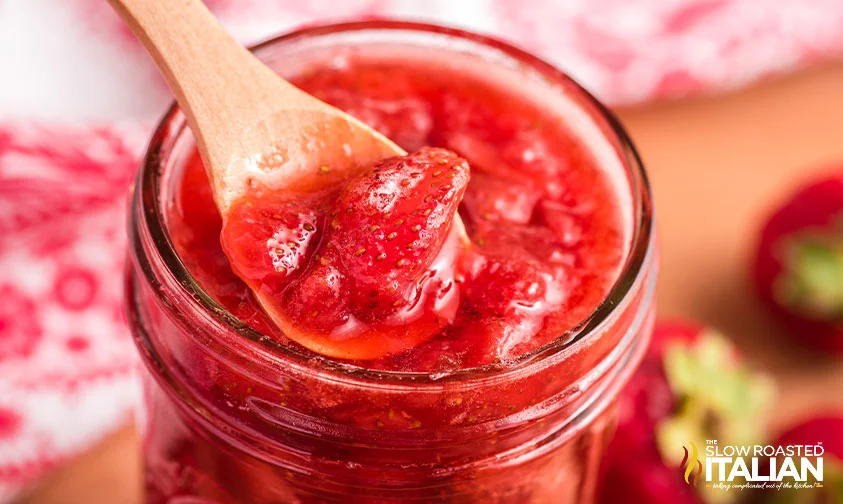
(717, 165)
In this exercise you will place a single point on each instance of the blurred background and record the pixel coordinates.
(732, 103)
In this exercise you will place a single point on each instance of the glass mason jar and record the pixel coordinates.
(231, 416)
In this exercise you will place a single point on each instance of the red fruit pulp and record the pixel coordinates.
(547, 236)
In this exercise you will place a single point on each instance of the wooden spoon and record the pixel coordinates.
(254, 128)
(250, 124)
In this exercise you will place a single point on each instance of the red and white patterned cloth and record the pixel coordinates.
(77, 99)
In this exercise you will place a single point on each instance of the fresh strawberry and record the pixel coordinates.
(691, 386)
(799, 264)
(370, 276)
(821, 430)
(826, 430)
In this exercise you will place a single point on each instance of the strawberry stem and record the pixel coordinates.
(813, 281)
(717, 398)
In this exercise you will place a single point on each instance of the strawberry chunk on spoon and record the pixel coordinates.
(372, 272)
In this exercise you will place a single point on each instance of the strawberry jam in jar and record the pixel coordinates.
(506, 395)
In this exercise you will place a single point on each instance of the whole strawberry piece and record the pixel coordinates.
(388, 226)
(822, 430)
(368, 274)
(799, 264)
(691, 386)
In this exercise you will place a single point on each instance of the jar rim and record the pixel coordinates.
(152, 217)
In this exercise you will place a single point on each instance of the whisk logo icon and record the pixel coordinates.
(691, 466)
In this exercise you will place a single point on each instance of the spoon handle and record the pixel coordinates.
(221, 87)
